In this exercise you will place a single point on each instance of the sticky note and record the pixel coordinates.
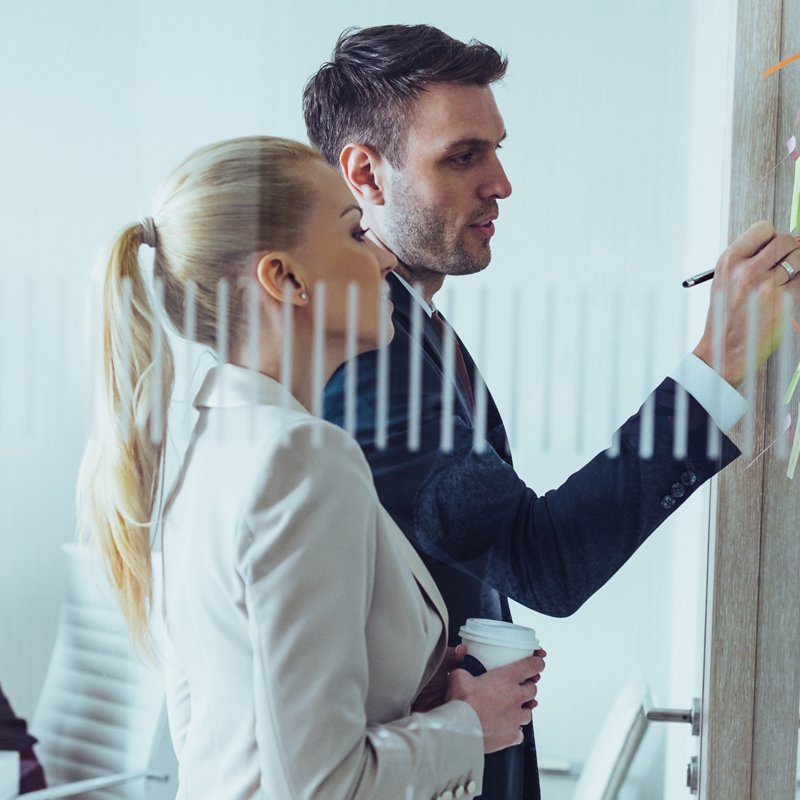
(780, 65)
(794, 219)
(791, 146)
(792, 386)
(793, 456)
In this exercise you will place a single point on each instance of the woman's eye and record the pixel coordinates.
(359, 233)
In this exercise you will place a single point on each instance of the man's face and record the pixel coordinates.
(439, 206)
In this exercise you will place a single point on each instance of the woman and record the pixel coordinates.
(301, 625)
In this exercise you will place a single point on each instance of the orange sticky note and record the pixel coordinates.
(780, 65)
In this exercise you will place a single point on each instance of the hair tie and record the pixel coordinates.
(148, 231)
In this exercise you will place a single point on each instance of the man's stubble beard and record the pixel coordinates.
(418, 235)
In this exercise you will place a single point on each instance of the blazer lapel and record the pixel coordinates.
(432, 343)
(418, 569)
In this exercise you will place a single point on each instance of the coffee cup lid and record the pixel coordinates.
(499, 633)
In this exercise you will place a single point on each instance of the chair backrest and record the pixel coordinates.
(616, 744)
(102, 708)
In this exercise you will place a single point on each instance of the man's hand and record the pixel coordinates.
(751, 265)
(433, 694)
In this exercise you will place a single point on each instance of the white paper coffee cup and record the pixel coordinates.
(495, 643)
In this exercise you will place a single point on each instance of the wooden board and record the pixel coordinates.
(735, 544)
(777, 685)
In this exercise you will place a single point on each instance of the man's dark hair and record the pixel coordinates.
(366, 92)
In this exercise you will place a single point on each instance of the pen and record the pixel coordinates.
(701, 278)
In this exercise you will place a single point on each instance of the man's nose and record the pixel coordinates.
(496, 184)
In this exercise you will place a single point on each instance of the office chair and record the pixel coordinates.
(102, 710)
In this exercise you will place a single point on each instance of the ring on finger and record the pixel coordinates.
(790, 270)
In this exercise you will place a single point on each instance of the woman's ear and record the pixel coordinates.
(363, 170)
(278, 275)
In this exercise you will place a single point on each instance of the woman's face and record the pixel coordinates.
(335, 250)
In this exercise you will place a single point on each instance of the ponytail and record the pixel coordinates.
(122, 466)
(218, 208)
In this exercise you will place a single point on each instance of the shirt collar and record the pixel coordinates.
(229, 386)
(429, 308)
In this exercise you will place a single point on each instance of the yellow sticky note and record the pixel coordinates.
(794, 219)
(793, 456)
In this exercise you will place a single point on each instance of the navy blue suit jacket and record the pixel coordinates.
(482, 532)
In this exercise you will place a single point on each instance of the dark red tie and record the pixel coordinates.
(461, 365)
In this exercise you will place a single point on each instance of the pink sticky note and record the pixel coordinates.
(791, 146)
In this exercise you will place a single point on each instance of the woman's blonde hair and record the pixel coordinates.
(220, 206)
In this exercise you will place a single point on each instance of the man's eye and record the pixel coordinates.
(463, 159)
(359, 233)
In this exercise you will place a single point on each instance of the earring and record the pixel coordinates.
(304, 295)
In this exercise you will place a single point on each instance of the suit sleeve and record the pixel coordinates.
(307, 557)
(472, 511)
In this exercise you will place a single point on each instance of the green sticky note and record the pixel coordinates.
(792, 386)
(794, 219)
(793, 456)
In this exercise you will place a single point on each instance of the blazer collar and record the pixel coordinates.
(401, 297)
(403, 305)
(419, 570)
(431, 339)
(229, 386)
(416, 297)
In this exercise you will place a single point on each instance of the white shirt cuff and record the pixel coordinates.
(720, 400)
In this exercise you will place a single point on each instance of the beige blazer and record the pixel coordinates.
(301, 623)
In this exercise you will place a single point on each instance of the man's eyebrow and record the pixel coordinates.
(472, 142)
(352, 208)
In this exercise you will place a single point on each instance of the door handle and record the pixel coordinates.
(690, 715)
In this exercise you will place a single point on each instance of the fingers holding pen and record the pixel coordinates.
(755, 257)
(750, 243)
(758, 266)
(782, 247)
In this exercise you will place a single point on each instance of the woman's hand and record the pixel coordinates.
(503, 699)
(434, 693)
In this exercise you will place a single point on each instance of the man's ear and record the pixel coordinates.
(277, 275)
(364, 170)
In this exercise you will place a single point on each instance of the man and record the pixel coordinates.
(409, 116)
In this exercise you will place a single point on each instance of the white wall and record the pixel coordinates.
(101, 98)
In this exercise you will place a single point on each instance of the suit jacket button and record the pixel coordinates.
(678, 490)
(688, 478)
(471, 787)
(446, 795)
(458, 792)
(668, 502)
